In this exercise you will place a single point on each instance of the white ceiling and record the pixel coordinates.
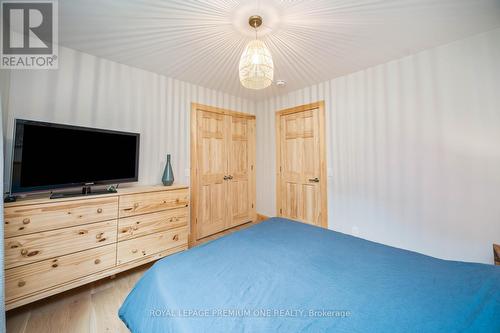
(311, 40)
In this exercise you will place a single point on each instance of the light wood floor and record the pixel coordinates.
(90, 308)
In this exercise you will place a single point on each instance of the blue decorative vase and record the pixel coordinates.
(168, 174)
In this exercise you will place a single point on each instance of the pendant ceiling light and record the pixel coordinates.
(256, 63)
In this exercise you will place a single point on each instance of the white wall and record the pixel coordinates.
(413, 150)
(91, 91)
(3, 97)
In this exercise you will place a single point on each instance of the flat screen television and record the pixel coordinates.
(50, 156)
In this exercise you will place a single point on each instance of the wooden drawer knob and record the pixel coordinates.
(55, 265)
(97, 261)
(26, 221)
(134, 251)
(99, 235)
(24, 252)
(21, 283)
(99, 210)
(176, 238)
(136, 205)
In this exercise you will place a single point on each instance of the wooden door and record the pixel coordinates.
(241, 185)
(301, 179)
(222, 170)
(212, 170)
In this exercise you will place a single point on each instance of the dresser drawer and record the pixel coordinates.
(31, 248)
(141, 225)
(137, 248)
(21, 281)
(135, 204)
(22, 220)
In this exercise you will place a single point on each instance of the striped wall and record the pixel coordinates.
(91, 91)
(413, 150)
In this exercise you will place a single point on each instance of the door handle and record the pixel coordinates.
(229, 177)
(314, 180)
(226, 178)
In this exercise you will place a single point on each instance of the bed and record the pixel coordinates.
(285, 276)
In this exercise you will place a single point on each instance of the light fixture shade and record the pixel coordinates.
(256, 66)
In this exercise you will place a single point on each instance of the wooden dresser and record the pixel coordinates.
(55, 245)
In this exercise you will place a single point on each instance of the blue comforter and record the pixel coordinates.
(284, 276)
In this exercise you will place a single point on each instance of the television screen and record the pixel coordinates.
(48, 156)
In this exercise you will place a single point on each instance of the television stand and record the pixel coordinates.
(81, 240)
(86, 190)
